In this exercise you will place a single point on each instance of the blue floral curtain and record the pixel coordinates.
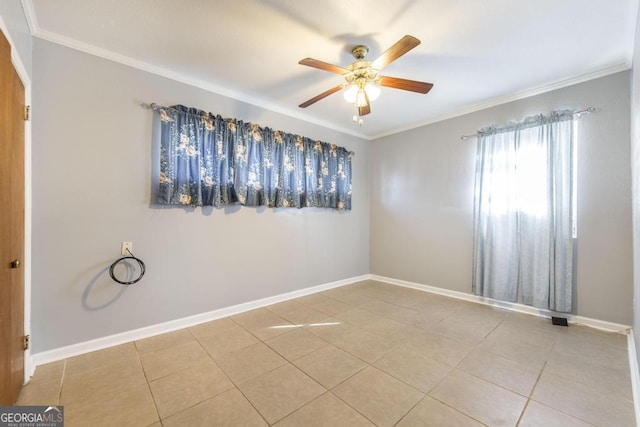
(207, 160)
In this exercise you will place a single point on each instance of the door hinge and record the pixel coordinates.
(25, 342)
(27, 113)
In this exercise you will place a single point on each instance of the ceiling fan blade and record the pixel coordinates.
(315, 63)
(401, 47)
(321, 96)
(404, 84)
(363, 111)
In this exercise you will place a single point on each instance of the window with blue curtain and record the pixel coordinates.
(207, 160)
(524, 212)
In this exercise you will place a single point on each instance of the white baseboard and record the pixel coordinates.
(34, 360)
(635, 374)
(48, 356)
(173, 325)
(521, 308)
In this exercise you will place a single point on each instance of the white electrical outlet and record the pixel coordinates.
(126, 247)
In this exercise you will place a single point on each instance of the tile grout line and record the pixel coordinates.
(236, 386)
(555, 342)
(451, 407)
(530, 397)
(180, 370)
(64, 370)
(526, 405)
(347, 403)
(456, 368)
(371, 365)
(144, 372)
(426, 356)
(411, 409)
(327, 390)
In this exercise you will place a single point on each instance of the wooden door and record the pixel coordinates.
(12, 104)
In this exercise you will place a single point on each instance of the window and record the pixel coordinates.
(524, 212)
(206, 160)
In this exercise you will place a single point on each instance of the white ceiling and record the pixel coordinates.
(477, 53)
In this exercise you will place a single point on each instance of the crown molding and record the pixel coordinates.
(218, 89)
(109, 55)
(538, 90)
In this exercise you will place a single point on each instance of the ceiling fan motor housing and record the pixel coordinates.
(359, 52)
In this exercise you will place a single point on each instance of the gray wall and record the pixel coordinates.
(422, 194)
(635, 171)
(13, 17)
(93, 161)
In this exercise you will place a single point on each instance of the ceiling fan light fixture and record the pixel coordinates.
(350, 94)
(373, 91)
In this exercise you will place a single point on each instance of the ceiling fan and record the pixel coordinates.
(361, 77)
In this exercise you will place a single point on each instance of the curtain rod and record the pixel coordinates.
(154, 106)
(577, 113)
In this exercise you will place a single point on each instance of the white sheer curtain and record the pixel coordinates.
(523, 212)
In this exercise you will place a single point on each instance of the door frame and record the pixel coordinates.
(18, 64)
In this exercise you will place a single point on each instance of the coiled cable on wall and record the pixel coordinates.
(124, 258)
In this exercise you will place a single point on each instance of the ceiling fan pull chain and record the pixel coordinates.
(356, 115)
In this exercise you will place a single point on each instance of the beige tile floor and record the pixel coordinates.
(361, 355)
